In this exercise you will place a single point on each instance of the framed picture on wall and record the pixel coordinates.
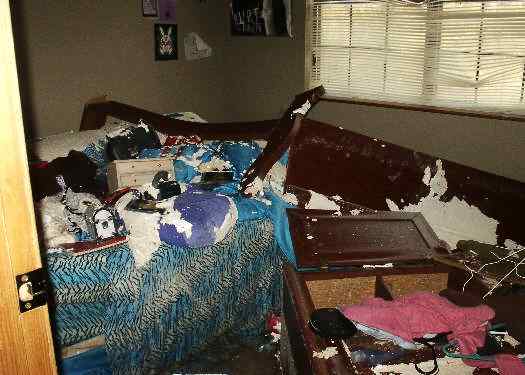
(261, 17)
(150, 8)
(165, 41)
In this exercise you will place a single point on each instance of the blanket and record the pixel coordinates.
(180, 301)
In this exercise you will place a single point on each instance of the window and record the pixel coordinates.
(455, 54)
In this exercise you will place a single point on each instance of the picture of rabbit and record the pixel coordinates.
(165, 41)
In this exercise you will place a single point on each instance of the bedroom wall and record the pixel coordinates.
(70, 51)
(265, 73)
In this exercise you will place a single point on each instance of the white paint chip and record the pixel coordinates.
(321, 202)
(303, 109)
(447, 366)
(454, 220)
(329, 352)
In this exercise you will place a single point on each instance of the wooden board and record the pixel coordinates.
(322, 240)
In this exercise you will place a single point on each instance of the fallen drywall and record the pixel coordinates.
(453, 220)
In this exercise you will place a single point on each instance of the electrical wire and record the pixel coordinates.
(499, 259)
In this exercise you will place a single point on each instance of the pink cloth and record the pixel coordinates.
(420, 313)
(510, 365)
(507, 364)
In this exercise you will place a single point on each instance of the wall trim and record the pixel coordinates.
(425, 108)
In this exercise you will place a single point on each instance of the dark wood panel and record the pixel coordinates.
(321, 239)
(95, 114)
(366, 171)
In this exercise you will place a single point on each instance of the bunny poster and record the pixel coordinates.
(165, 41)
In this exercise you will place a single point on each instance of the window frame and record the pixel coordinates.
(403, 105)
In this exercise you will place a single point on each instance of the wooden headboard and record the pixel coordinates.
(279, 133)
(367, 171)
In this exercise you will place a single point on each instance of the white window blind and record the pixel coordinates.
(456, 54)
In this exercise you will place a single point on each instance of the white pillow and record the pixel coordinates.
(58, 145)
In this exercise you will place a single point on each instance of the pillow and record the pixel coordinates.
(58, 145)
(129, 142)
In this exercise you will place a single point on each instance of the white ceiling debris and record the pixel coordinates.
(454, 220)
(447, 366)
(321, 202)
(329, 352)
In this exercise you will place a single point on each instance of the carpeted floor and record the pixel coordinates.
(229, 355)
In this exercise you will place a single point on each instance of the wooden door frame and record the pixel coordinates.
(26, 344)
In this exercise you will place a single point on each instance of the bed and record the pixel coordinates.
(157, 310)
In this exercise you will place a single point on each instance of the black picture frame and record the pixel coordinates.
(166, 47)
(150, 8)
(253, 18)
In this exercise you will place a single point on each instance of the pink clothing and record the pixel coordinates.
(421, 313)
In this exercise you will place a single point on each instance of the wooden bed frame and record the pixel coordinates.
(279, 134)
(361, 170)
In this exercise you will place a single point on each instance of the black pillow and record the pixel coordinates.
(331, 323)
(131, 141)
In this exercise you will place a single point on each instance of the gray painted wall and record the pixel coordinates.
(70, 51)
(271, 71)
(81, 49)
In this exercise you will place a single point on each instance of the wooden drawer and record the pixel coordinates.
(143, 166)
(126, 173)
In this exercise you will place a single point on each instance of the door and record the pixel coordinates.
(26, 345)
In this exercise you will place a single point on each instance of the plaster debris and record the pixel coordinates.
(355, 212)
(264, 200)
(276, 177)
(194, 162)
(427, 176)
(386, 265)
(275, 180)
(261, 143)
(513, 246)
(143, 237)
(447, 366)
(143, 125)
(215, 164)
(511, 340)
(329, 352)
(175, 218)
(229, 221)
(454, 220)
(303, 109)
(310, 237)
(321, 202)
(254, 188)
(53, 228)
